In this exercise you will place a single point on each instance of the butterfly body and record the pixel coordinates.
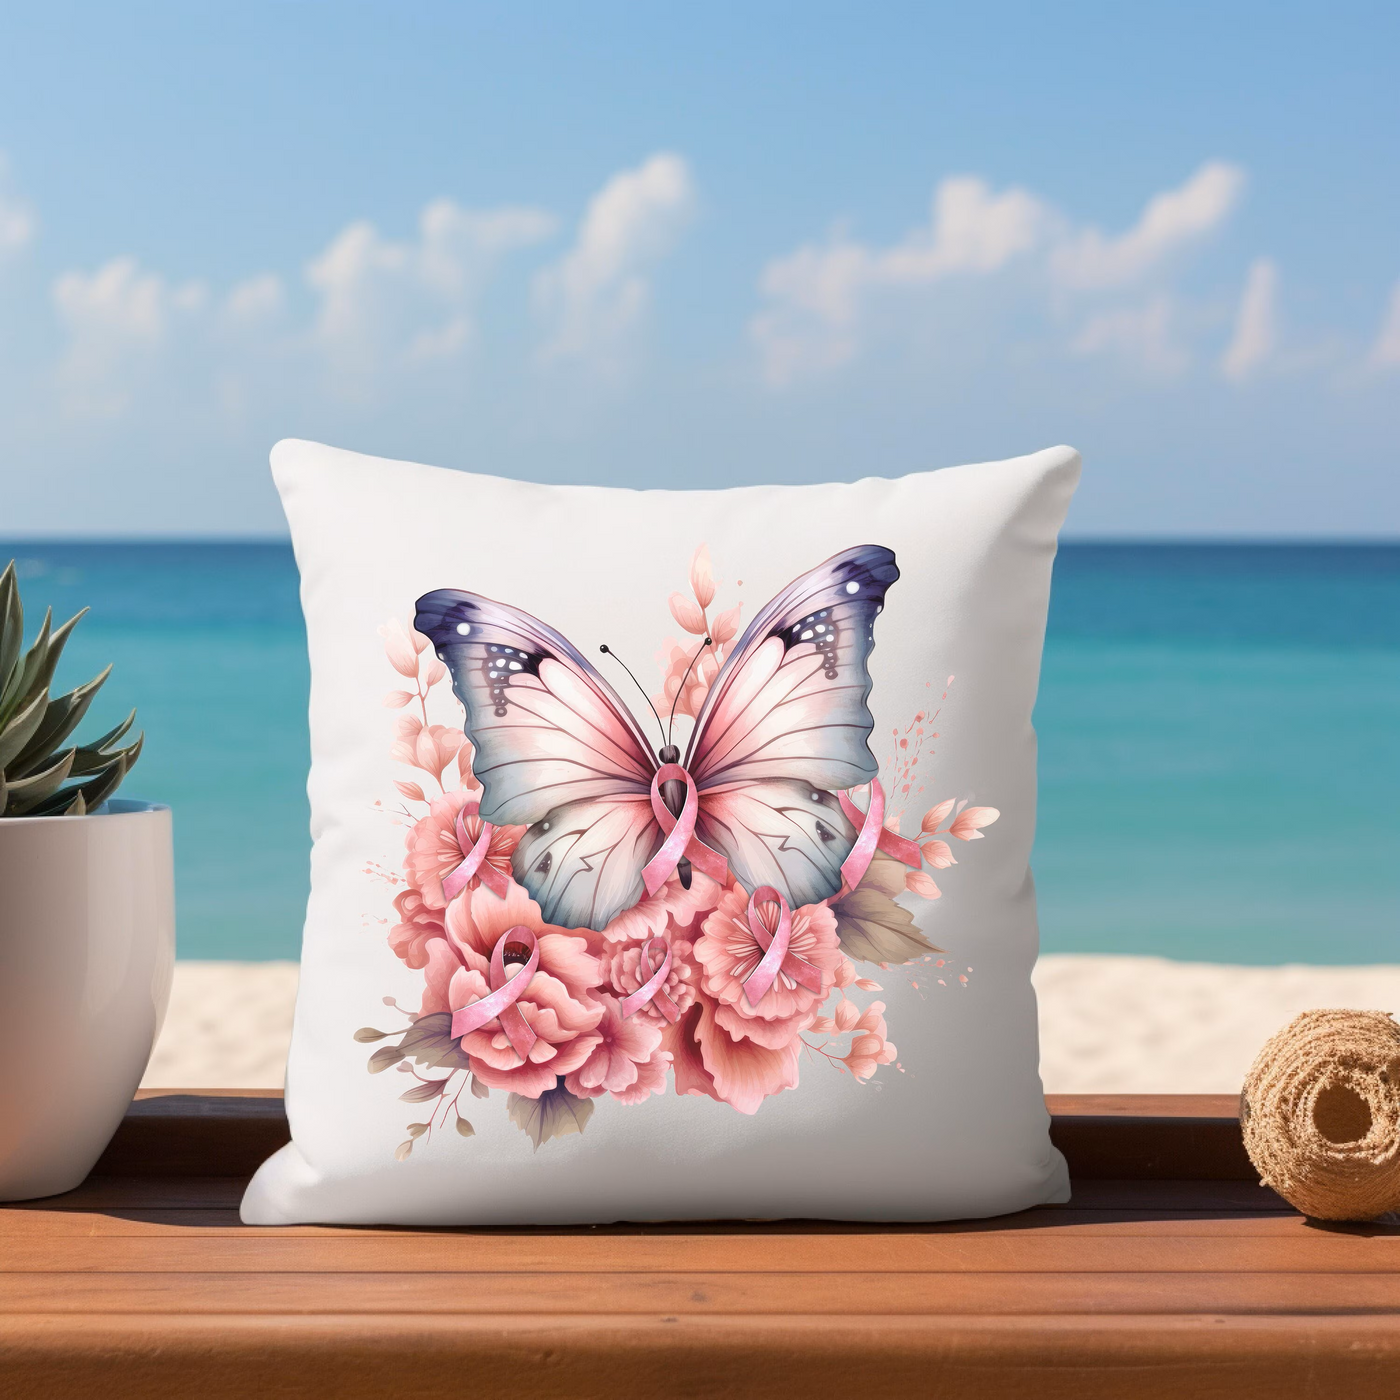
(784, 728)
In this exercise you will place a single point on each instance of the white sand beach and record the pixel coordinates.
(1108, 1024)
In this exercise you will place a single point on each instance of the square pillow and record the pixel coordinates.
(671, 848)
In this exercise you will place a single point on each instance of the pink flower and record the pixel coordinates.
(675, 662)
(409, 937)
(625, 1043)
(708, 1061)
(559, 1004)
(434, 850)
(402, 648)
(869, 1047)
(702, 577)
(968, 823)
(728, 952)
(670, 905)
(622, 972)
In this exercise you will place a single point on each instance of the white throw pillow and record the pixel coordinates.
(580, 948)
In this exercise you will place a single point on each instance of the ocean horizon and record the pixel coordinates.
(1219, 758)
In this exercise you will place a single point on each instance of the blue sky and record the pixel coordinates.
(710, 244)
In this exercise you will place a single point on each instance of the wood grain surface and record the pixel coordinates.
(1171, 1272)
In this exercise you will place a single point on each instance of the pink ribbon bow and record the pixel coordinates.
(680, 834)
(777, 953)
(474, 864)
(499, 1004)
(873, 833)
(652, 984)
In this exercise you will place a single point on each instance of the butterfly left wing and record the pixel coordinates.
(556, 750)
(787, 723)
(582, 862)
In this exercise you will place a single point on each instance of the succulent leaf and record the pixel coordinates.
(11, 624)
(15, 734)
(26, 793)
(60, 719)
(33, 725)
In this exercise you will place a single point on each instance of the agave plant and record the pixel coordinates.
(34, 764)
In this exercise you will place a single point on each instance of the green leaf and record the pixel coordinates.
(88, 760)
(383, 1058)
(29, 792)
(429, 1041)
(14, 690)
(427, 1089)
(556, 1113)
(103, 745)
(78, 807)
(871, 926)
(40, 663)
(20, 730)
(60, 719)
(11, 625)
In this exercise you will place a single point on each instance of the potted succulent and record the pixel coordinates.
(87, 918)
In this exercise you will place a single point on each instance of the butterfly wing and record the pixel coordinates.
(787, 723)
(556, 750)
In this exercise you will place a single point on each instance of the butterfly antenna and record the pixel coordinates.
(608, 651)
(708, 642)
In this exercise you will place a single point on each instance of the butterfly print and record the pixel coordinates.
(784, 729)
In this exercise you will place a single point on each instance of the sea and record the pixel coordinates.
(1219, 740)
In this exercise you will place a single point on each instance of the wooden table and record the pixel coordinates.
(1170, 1273)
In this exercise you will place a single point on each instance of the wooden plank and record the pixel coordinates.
(563, 1358)
(132, 1222)
(854, 1294)
(119, 1192)
(1102, 1136)
(1004, 1251)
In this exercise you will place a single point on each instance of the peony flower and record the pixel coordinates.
(622, 971)
(670, 906)
(559, 1004)
(625, 1043)
(728, 952)
(417, 924)
(434, 850)
(707, 1060)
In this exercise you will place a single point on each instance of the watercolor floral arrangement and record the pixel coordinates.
(697, 1029)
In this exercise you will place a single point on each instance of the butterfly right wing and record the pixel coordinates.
(556, 750)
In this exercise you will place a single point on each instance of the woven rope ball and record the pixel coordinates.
(1321, 1114)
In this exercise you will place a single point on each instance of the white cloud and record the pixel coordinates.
(254, 302)
(118, 318)
(1143, 335)
(597, 293)
(17, 222)
(817, 293)
(1256, 325)
(1385, 353)
(1170, 220)
(384, 302)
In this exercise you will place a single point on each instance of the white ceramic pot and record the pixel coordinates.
(87, 951)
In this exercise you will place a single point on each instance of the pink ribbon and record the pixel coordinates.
(680, 834)
(499, 1003)
(474, 864)
(651, 988)
(873, 833)
(777, 953)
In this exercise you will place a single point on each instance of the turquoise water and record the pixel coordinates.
(1218, 725)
